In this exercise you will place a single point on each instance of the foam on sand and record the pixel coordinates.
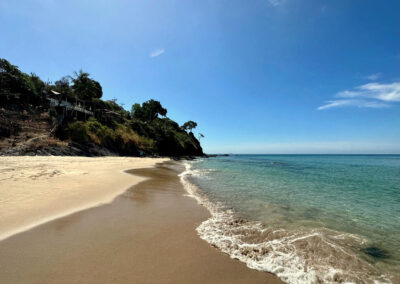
(301, 256)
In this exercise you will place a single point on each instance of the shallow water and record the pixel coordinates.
(307, 218)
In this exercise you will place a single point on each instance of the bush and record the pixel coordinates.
(78, 132)
(130, 140)
(99, 133)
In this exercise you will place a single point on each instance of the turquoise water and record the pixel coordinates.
(354, 194)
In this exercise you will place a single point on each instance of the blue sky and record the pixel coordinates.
(260, 76)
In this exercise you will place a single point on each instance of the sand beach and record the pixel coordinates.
(85, 220)
(34, 190)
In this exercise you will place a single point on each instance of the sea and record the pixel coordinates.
(305, 218)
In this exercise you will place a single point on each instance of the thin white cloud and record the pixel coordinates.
(373, 77)
(356, 103)
(157, 52)
(276, 3)
(371, 95)
(383, 92)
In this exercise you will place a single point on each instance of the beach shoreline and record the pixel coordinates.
(36, 190)
(258, 226)
(145, 235)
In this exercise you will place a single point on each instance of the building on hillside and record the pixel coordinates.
(69, 106)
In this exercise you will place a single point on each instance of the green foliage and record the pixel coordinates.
(122, 139)
(86, 88)
(145, 128)
(137, 112)
(78, 131)
(99, 133)
(11, 79)
(63, 86)
(148, 111)
(189, 125)
(170, 138)
(129, 138)
(36, 85)
(140, 127)
(19, 87)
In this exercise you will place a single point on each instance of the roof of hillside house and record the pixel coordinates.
(55, 92)
(111, 112)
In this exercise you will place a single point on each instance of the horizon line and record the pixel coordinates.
(343, 154)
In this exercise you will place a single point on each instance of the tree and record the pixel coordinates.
(12, 80)
(200, 136)
(37, 85)
(17, 85)
(189, 125)
(136, 111)
(86, 88)
(63, 85)
(148, 111)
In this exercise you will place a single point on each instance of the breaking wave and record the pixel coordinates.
(301, 256)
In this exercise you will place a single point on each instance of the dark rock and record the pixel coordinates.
(376, 252)
(215, 155)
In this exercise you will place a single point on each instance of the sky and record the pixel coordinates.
(260, 76)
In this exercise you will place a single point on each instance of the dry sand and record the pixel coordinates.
(145, 235)
(34, 190)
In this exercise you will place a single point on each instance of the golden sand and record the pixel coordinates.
(34, 190)
(145, 235)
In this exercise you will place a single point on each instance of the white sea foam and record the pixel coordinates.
(303, 256)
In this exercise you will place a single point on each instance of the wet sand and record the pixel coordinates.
(146, 235)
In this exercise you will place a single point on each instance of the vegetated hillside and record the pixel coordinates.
(69, 117)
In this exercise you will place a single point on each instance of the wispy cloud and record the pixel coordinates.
(276, 3)
(157, 52)
(356, 103)
(371, 95)
(373, 77)
(383, 92)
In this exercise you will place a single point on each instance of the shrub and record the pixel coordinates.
(130, 138)
(78, 131)
(99, 133)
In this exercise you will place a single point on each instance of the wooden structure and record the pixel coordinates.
(69, 106)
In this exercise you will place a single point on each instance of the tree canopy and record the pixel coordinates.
(148, 111)
(189, 125)
(12, 80)
(63, 85)
(19, 85)
(86, 88)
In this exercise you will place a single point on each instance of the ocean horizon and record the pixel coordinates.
(303, 154)
(303, 217)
